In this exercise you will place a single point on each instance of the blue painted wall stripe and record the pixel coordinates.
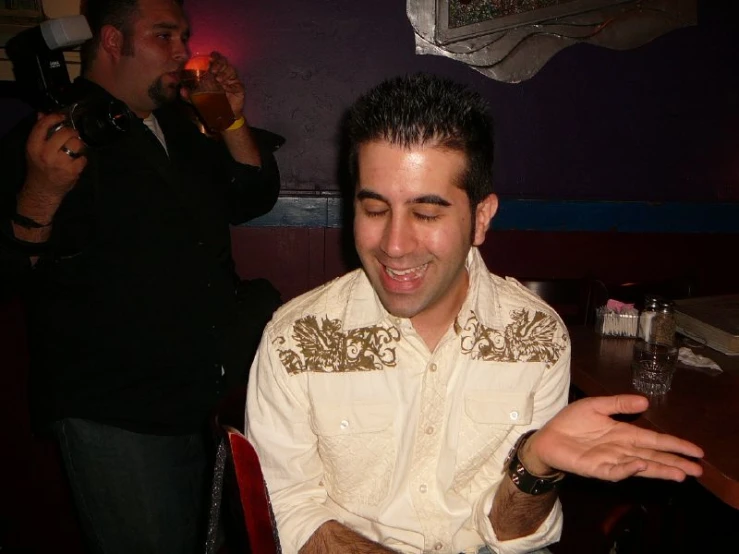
(542, 215)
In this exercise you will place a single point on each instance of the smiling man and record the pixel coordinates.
(418, 404)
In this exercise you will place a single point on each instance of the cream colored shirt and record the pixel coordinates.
(355, 420)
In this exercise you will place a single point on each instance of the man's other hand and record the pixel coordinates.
(584, 439)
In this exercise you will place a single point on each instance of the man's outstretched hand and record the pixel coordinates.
(584, 439)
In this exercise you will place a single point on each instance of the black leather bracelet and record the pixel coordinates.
(525, 481)
(10, 242)
(27, 222)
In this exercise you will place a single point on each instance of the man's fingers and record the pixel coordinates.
(217, 62)
(622, 470)
(42, 129)
(668, 459)
(51, 133)
(223, 70)
(74, 148)
(616, 404)
(646, 440)
(64, 136)
(666, 443)
(628, 404)
(655, 470)
(641, 438)
(659, 466)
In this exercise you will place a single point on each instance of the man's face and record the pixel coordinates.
(412, 228)
(154, 53)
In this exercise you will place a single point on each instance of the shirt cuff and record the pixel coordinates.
(548, 532)
(297, 526)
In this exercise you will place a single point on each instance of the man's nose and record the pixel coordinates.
(398, 238)
(180, 52)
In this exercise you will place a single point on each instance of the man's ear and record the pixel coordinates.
(111, 41)
(483, 214)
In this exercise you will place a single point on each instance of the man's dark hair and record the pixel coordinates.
(423, 109)
(121, 14)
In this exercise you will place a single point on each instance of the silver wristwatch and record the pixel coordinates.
(525, 481)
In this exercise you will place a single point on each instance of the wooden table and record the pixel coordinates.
(701, 408)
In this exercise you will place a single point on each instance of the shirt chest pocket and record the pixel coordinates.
(357, 447)
(498, 408)
(487, 418)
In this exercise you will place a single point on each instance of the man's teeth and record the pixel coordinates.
(406, 273)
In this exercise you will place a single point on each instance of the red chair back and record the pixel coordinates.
(258, 519)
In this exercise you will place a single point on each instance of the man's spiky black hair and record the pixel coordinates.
(426, 110)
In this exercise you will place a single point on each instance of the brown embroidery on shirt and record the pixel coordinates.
(528, 338)
(324, 348)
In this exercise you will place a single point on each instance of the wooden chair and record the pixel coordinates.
(239, 488)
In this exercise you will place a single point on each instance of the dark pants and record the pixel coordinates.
(136, 493)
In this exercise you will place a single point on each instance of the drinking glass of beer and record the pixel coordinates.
(206, 94)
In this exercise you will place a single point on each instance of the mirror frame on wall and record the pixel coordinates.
(510, 41)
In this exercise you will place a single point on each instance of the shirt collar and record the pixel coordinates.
(482, 295)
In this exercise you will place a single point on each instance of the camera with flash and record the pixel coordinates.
(37, 55)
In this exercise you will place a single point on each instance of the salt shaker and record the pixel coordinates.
(649, 310)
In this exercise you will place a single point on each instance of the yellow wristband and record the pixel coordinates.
(238, 124)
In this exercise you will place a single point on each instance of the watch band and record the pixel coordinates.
(525, 481)
(9, 240)
(27, 222)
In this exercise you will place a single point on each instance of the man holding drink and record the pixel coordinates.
(122, 253)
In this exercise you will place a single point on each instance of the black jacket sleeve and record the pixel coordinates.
(253, 191)
(250, 191)
(15, 262)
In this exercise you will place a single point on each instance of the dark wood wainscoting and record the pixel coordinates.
(297, 259)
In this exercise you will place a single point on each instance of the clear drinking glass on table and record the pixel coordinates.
(656, 350)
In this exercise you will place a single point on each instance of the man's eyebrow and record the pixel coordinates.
(365, 194)
(434, 199)
(431, 199)
(171, 26)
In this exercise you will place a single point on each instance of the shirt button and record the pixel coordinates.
(430, 430)
(423, 489)
(344, 424)
(438, 546)
(433, 367)
(514, 415)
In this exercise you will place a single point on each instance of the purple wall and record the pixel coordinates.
(660, 122)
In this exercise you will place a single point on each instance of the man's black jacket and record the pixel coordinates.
(131, 297)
